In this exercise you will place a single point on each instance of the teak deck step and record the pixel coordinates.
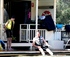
(28, 53)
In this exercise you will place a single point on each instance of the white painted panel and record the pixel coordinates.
(49, 35)
(56, 44)
(57, 35)
(46, 2)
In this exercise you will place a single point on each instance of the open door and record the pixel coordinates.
(20, 11)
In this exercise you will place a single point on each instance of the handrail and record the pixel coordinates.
(28, 34)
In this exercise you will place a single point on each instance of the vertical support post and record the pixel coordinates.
(55, 11)
(54, 15)
(36, 15)
(2, 10)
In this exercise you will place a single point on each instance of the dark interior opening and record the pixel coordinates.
(20, 11)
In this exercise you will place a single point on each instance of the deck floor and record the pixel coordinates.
(26, 52)
(32, 53)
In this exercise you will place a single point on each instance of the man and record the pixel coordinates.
(9, 25)
(38, 42)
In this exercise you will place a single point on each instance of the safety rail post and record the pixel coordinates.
(29, 32)
(20, 33)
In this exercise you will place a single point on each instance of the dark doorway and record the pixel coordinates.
(20, 11)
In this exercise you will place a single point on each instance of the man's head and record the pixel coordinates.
(12, 18)
(38, 34)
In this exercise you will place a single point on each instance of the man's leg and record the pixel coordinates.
(42, 52)
(8, 44)
(49, 51)
(9, 41)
